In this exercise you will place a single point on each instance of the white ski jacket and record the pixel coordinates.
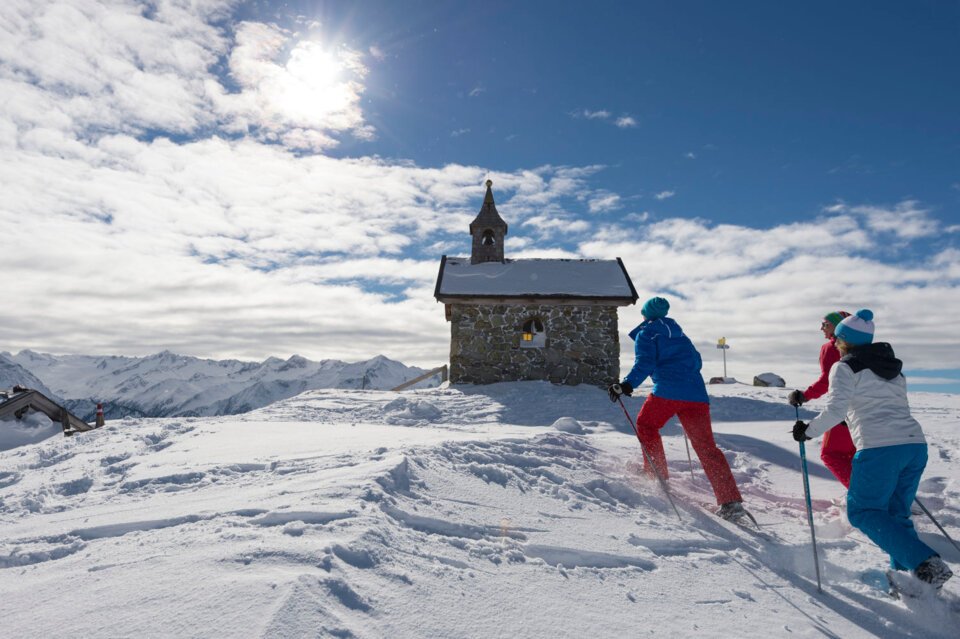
(868, 391)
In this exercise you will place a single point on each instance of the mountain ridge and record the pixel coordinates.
(166, 384)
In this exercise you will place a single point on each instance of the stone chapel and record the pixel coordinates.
(530, 319)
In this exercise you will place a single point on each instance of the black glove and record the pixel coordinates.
(800, 432)
(796, 398)
(616, 390)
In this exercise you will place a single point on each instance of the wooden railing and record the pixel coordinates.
(16, 404)
(410, 382)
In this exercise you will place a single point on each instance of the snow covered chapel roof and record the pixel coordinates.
(600, 280)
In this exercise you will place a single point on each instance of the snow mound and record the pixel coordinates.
(33, 428)
(411, 412)
(568, 425)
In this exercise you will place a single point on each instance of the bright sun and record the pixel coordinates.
(314, 84)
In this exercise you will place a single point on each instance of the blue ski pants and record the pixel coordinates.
(883, 484)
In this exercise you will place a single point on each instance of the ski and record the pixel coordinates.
(752, 518)
(751, 527)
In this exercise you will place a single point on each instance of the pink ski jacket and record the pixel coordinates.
(829, 355)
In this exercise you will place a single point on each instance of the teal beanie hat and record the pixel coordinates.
(857, 329)
(655, 308)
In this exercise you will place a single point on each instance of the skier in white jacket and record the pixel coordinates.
(868, 390)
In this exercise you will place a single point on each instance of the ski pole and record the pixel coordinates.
(686, 445)
(806, 493)
(924, 509)
(649, 460)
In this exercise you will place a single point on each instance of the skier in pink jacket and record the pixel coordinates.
(837, 449)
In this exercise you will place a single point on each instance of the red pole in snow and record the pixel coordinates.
(99, 414)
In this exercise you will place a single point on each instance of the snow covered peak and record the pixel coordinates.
(13, 374)
(165, 383)
(295, 362)
(33, 355)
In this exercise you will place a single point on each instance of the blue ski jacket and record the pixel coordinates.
(669, 358)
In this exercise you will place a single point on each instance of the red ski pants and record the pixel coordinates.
(837, 451)
(695, 419)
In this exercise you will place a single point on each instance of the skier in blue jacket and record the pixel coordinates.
(669, 358)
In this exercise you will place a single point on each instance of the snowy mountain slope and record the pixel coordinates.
(13, 374)
(450, 512)
(166, 384)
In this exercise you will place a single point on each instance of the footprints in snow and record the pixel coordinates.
(9, 478)
(33, 554)
(558, 465)
(74, 487)
(578, 558)
(23, 552)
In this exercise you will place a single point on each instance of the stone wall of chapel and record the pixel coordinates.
(582, 344)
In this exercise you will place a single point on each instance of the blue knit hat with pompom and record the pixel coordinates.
(655, 308)
(857, 329)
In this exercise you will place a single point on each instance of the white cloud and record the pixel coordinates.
(458, 132)
(82, 65)
(477, 90)
(690, 155)
(239, 249)
(663, 195)
(623, 122)
(836, 208)
(600, 114)
(533, 252)
(766, 289)
(550, 226)
(86, 69)
(603, 201)
(906, 220)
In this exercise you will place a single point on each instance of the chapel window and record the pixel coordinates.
(533, 334)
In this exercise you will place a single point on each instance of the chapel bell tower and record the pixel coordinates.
(488, 230)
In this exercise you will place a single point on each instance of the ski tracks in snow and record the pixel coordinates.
(542, 532)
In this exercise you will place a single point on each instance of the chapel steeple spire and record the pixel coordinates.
(488, 230)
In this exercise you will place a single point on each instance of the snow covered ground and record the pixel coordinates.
(511, 510)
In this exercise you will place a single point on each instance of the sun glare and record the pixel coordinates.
(313, 66)
(315, 83)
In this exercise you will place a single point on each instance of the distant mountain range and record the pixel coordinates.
(167, 384)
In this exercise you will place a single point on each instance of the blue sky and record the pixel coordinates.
(746, 112)
(247, 179)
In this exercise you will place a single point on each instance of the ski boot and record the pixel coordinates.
(735, 513)
(934, 571)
